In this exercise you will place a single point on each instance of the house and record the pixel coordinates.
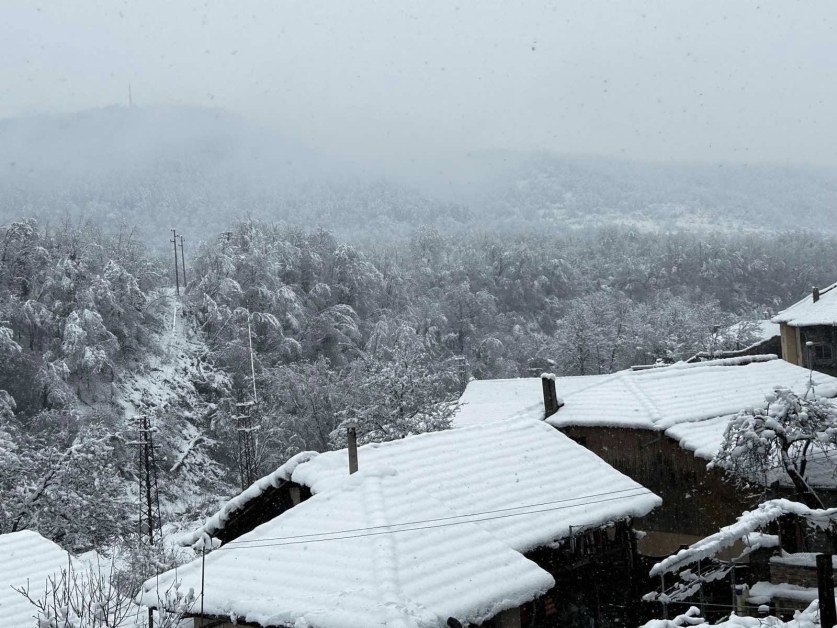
(809, 330)
(28, 561)
(659, 426)
(750, 337)
(508, 523)
(785, 576)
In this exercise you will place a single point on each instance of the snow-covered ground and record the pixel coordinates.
(162, 387)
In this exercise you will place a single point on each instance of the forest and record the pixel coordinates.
(92, 334)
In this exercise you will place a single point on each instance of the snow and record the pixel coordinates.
(487, 400)
(691, 403)
(746, 524)
(809, 618)
(704, 438)
(763, 592)
(28, 559)
(431, 526)
(799, 559)
(345, 559)
(275, 479)
(521, 467)
(805, 313)
(764, 329)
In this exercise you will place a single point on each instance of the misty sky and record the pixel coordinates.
(705, 80)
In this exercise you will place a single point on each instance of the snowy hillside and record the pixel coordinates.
(164, 388)
(198, 168)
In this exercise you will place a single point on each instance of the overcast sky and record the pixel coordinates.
(725, 80)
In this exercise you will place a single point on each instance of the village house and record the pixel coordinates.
(809, 330)
(750, 337)
(770, 553)
(660, 426)
(487, 525)
(28, 561)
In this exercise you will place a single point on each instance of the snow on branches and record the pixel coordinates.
(790, 434)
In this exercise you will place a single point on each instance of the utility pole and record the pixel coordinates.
(246, 444)
(252, 363)
(462, 371)
(182, 261)
(825, 586)
(245, 428)
(176, 269)
(149, 494)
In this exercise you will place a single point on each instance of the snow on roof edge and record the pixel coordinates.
(747, 523)
(800, 313)
(274, 479)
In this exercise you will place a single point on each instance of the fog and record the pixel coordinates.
(417, 86)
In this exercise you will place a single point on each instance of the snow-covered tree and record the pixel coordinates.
(789, 434)
(397, 387)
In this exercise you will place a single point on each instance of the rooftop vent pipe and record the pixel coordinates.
(551, 403)
(351, 436)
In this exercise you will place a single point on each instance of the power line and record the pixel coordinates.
(241, 543)
(643, 490)
(440, 523)
(475, 517)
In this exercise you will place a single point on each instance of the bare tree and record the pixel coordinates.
(92, 597)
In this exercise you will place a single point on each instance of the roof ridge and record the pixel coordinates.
(605, 378)
(384, 553)
(644, 400)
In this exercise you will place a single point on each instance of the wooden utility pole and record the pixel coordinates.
(351, 437)
(176, 269)
(825, 587)
(182, 261)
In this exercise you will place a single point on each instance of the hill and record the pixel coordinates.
(194, 168)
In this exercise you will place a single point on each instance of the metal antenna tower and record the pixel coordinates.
(176, 268)
(244, 425)
(149, 493)
(150, 522)
(246, 443)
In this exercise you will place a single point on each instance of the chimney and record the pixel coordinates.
(551, 404)
(351, 436)
(816, 293)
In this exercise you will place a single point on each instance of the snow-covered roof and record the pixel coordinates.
(524, 468)
(374, 551)
(747, 523)
(27, 558)
(763, 329)
(272, 480)
(509, 465)
(431, 526)
(809, 618)
(806, 312)
(691, 403)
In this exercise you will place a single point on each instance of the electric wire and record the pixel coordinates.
(440, 522)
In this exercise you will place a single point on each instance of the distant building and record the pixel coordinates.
(809, 330)
(660, 426)
(503, 525)
(750, 337)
